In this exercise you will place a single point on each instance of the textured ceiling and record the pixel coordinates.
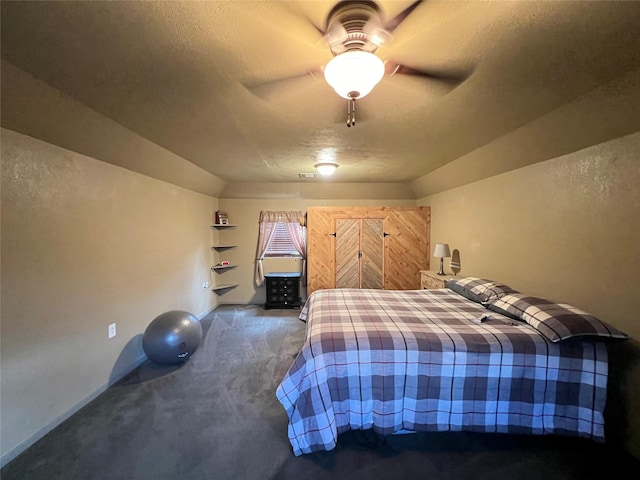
(225, 85)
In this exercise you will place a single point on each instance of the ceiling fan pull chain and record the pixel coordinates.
(348, 113)
(353, 112)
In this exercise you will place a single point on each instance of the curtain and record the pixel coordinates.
(298, 236)
(285, 216)
(268, 221)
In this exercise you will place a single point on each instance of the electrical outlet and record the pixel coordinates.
(112, 330)
(205, 285)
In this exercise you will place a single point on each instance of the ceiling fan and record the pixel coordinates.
(354, 30)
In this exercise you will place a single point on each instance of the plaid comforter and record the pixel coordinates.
(418, 360)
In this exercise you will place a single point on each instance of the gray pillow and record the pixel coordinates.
(479, 290)
(556, 321)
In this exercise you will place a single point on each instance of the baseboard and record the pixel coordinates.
(17, 450)
(207, 312)
(7, 457)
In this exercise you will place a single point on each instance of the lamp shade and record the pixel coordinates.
(326, 168)
(353, 74)
(441, 250)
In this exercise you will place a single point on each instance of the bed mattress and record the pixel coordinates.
(425, 360)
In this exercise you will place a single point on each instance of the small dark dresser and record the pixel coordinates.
(283, 289)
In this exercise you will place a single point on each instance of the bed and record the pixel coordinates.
(434, 360)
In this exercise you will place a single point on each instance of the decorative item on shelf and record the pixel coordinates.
(224, 263)
(221, 218)
(455, 264)
(441, 250)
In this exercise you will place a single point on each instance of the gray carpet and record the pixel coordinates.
(216, 417)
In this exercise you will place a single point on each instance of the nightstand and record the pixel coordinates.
(430, 280)
(282, 290)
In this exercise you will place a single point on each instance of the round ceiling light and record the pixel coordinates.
(353, 74)
(326, 168)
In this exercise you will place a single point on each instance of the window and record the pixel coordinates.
(281, 244)
(281, 234)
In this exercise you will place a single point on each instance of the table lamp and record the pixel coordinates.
(442, 250)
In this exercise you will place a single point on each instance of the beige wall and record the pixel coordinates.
(567, 229)
(607, 112)
(86, 244)
(320, 190)
(245, 214)
(76, 127)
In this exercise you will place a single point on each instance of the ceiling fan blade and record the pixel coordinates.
(297, 21)
(333, 37)
(291, 85)
(399, 18)
(377, 33)
(410, 97)
(306, 104)
(450, 78)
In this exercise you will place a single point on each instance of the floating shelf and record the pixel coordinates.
(222, 267)
(224, 287)
(223, 247)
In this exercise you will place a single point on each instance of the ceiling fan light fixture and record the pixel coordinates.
(326, 168)
(353, 74)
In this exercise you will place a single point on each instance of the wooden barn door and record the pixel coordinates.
(359, 253)
(405, 248)
(347, 253)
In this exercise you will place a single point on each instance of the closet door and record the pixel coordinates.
(372, 253)
(347, 253)
(359, 253)
(404, 243)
